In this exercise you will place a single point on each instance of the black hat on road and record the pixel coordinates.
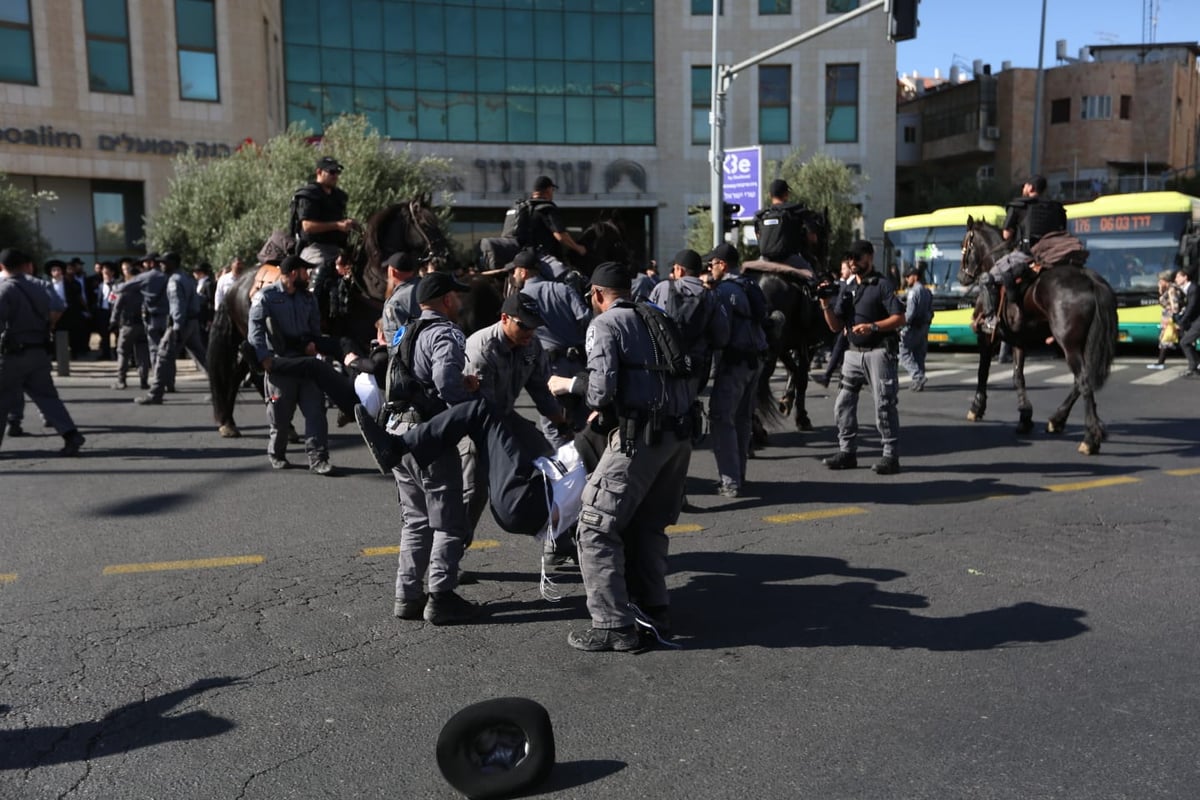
(524, 309)
(611, 275)
(329, 164)
(725, 252)
(438, 284)
(544, 182)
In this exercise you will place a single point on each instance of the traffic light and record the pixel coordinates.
(728, 212)
(902, 20)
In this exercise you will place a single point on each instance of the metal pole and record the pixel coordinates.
(1037, 102)
(716, 151)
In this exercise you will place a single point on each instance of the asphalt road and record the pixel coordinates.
(1004, 619)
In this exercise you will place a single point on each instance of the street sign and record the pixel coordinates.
(743, 179)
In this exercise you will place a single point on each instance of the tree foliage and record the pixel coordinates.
(824, 183)
(216, 209)
(18, 219)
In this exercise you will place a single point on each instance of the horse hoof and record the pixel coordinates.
(1087, 449)
(1052, 427)
(973, 417)
(229, 432)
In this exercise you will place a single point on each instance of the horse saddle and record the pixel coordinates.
(267, 274)
(796, 267)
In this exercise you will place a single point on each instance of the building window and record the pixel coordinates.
(106, 23)
(704, 8)
(840, 6)
(196, 34)
(841, 103)
(770, 7)
(774, 104)
(480, 71)
(16, 43)
(1126, 106)
(910, 134)
(1096, 106)
(117, 211)
(701, 105)
(1060, 110)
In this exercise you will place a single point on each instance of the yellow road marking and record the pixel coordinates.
(810, 515)
(391, 550)
(1183, 472)
(197, 563)
(684, 527)
(8, 577)
(1096, 484)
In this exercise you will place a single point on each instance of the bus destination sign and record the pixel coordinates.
(1119, 223)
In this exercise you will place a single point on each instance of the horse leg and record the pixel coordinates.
(1024, 407)
(979, 404)
(1058, 420)
(1095, 429)
(796, 364)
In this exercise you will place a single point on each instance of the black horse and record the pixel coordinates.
(797, 326)
(412, 227)
(1072, 304)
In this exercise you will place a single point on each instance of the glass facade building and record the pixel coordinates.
(578, 72)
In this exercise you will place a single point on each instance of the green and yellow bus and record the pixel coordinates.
(1131, 238)
(936, 239)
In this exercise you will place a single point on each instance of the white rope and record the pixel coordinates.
(642, 620)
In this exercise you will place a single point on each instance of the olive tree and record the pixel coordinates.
(216, 209)
(18, 219)
(824, 183)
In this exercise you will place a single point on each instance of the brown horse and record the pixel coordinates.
(411, 226)
(1074, 305)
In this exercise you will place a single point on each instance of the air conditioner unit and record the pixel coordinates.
(991, 132)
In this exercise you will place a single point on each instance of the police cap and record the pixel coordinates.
(170, 257)
(723, 252)
(291, 264)
(400, 261)
(544, 182)
(525, 259)
(611, 275)
(689, 260)
(523, 308)
(779, 188)
(438, 284)
(329, 164)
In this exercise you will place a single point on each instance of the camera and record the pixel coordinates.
(828, 290)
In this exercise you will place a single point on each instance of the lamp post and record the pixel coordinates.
(1034, 158)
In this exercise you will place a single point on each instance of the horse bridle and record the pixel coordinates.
(977, 262)
(433, 254)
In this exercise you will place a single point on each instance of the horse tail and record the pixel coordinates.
(1100, 348)
(766, 404)
(222, 365)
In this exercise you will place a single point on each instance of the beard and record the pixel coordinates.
(301, 285)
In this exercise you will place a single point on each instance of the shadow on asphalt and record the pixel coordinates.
(570, 774)
(743, 599)
(141, 724)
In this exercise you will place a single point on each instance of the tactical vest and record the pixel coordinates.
(1042, 217)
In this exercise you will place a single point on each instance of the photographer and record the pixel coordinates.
(871, 314)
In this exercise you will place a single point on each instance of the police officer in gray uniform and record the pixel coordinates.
(25, 321)
(868, 309)
(703, 321)
(401, 305)
(152, 284)
(435, 529)
(183, 312)
(637, 488)
(57, 306)
(286, 324)
(133, 348)
(731, 404)
(566, 319)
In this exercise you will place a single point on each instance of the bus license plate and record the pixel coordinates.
(939, 337)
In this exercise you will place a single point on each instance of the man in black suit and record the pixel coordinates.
(1188, 321)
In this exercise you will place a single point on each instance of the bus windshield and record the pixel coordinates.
(1131, 257)
(939, 250)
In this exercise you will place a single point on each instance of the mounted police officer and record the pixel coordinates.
(778, 228)
(545, 231)
(1029, 218)
(25, 323)
(320, 221)
(637, 488)
(183, 312)
(435, 530)
(869, 311)
(285, 326)
(731, 404)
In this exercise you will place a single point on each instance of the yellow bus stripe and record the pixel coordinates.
(804, 516)
(197, 563)
(1096, 484)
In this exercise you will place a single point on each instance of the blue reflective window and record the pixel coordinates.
(196, 36)
(774, 104)
(304, 105)
(550, 71)
(840, 6)
(841, 103)
(768, 7)
(106, 25)
(701, 105)
(16, 43)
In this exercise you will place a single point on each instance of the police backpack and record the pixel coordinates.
(690, 312)
(402, 391)
(779, 230)
(669, 350)
(310, 192)
(518, 222)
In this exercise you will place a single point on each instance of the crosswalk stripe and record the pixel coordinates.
(1157, 378)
